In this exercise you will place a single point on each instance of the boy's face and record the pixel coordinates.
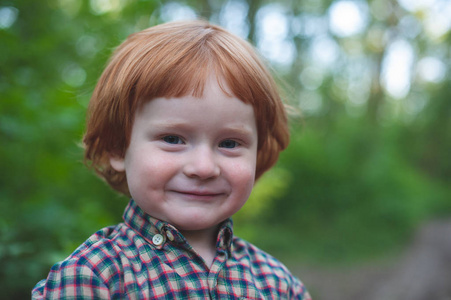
(191, 161)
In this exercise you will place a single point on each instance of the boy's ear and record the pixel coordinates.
(118, 163)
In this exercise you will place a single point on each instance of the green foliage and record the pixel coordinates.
(353, 194)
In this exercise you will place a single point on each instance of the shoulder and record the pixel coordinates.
(268, 271)
(89, 270)
(262, 261)
(100, 248)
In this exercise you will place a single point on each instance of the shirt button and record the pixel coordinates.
(157, 239)
(170, 236)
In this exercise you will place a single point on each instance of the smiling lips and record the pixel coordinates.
(199, 194)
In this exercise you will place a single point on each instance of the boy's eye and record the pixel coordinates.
(172, 139)
(228, 144)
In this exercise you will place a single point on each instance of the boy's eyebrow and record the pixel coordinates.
(240, 129)
(170, 125)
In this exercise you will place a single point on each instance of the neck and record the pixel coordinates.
(204, 242)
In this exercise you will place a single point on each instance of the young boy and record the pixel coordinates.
(183, 120)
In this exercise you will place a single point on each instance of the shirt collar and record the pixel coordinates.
(148, 227)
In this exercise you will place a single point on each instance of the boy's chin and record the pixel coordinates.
(194, 219)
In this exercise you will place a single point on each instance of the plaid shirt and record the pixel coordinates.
(145, 258)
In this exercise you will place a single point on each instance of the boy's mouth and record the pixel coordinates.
(198, 194)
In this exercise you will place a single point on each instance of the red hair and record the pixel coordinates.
(173, 60)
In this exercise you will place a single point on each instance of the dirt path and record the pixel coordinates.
(422, 272)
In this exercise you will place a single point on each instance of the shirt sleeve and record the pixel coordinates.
(69, 280)
(298, 291)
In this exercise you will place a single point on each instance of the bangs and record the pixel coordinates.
(182, 65)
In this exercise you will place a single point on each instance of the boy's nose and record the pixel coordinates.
(202, 164)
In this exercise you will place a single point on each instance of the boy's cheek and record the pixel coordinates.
(244, 176)
(245, 168)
